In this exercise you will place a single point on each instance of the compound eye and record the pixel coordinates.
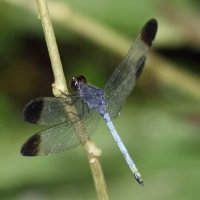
(81, 79)
(74, 84)
(76, 81)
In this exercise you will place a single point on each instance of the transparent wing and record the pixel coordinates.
(62, 137)
(128, 71)
(52, 110)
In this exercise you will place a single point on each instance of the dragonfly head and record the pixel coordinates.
(76, 81)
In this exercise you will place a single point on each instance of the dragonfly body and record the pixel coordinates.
(90, 103)
(95, 98)
(122, 148)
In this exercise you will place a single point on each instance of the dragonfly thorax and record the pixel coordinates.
(93, 96)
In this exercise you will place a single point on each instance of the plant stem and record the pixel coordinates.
(92, 151)
(59, 77)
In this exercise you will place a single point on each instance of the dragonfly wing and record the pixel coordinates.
(52, 110)
(128, 71)
(61, 137)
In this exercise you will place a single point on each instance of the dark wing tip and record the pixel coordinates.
(31, 146)
(149, 31)
(32, 111)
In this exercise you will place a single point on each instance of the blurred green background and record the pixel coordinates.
(160, 122)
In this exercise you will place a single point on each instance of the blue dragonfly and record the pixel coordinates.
(90, 104)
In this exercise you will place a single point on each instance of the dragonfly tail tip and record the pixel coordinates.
(142, 184)
(138, 178)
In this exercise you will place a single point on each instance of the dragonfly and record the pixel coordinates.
(90, 103)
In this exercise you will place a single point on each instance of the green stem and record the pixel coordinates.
(92, 151)
(60, 82)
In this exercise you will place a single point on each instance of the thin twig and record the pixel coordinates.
(60, 82)
(92, 151)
